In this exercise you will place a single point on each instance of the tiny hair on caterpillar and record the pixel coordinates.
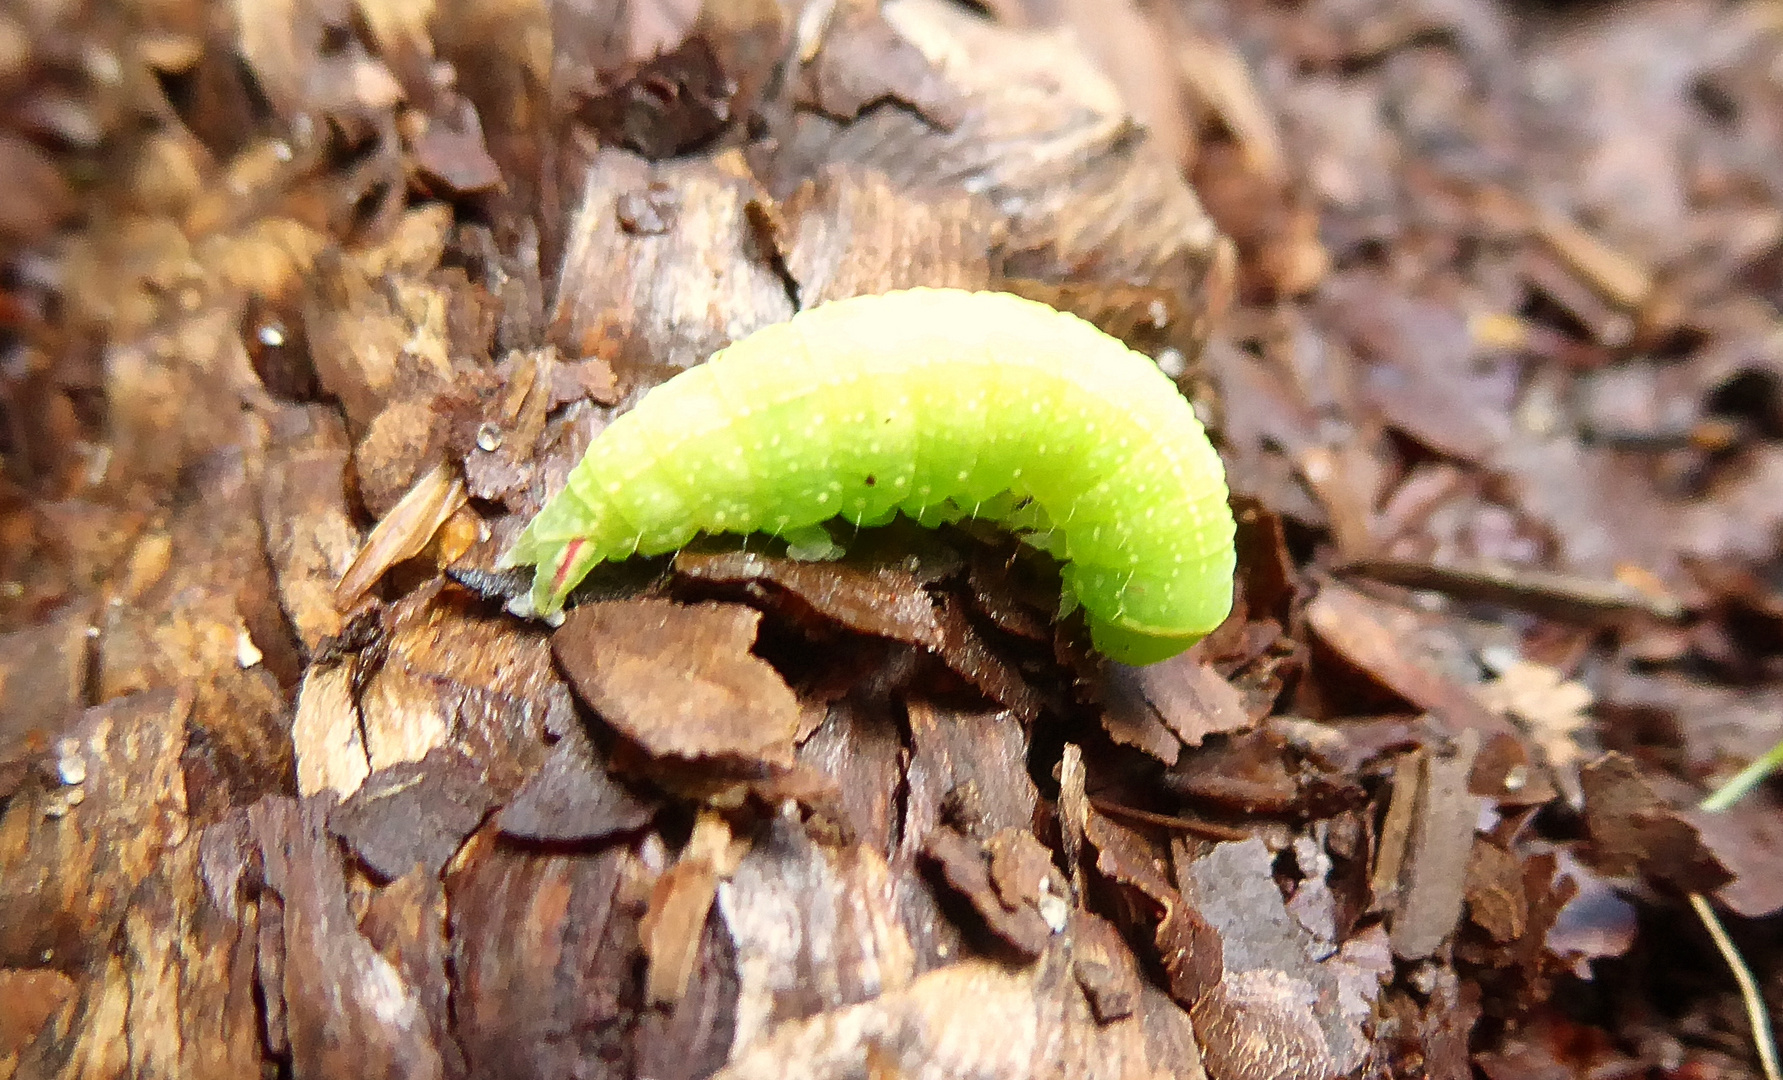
(939, 404)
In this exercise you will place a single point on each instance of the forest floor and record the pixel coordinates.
(306, 307)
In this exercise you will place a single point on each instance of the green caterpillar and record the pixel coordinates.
(938, 404)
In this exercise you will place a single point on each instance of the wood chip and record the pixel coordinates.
(404, 533)
(1434, 876)
(415, 813)
(714, 699)
(573, 799)
(675, 922)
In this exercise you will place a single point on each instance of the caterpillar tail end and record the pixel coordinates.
(557, 572)
(524, 551)
(557, 569)
(521, 608)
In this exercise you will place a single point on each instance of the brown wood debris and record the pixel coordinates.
(679, 680)
(307, 306)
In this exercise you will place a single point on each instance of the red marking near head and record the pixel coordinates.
(564, 562)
